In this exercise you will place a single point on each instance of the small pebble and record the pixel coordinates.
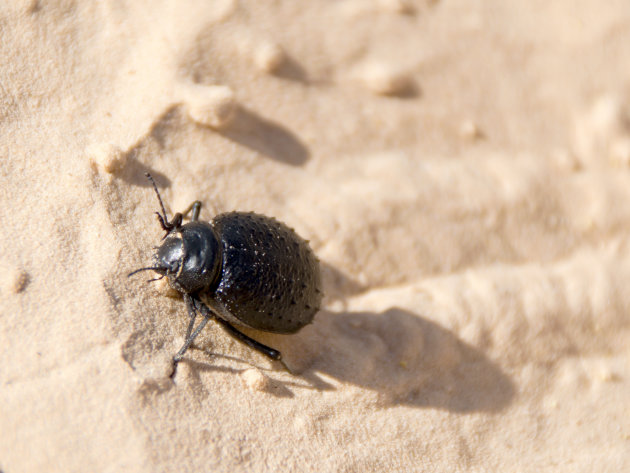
(107, 156)
(213, 105)
(565, 160)
(609, 376)
(268, 56)
(604, 373)
(255, 380)
(15, 281)
(300, 423)
(383, 79)
(550, 404)
(336, 305)
(608, 115)
(470, 131)
(403, 7)
(601, 131)
(355, 8)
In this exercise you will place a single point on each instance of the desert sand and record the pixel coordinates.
(461, 169)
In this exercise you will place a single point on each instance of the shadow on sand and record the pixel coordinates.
(404, 358)
(266, 137)
(248, 129)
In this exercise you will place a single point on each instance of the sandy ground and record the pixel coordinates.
(462, 169)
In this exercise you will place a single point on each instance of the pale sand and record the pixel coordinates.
(462, 171)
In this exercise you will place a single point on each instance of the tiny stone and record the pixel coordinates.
(609, 376)
(565, 160)
(384, 80)
(470, 131)
(402, 7)
(551, 404)
(336, 305)
(15, 281)
(213, 106)
(254, 379)
(363, 279)
(608, 115)
(107, 156)
(599, 130)
(268, 56)
(605, 374)
(300, 423)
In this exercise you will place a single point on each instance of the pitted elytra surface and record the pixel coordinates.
(270, 277)
(240, 269)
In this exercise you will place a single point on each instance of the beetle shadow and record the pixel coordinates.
(247, 128)
(266, 137)
(290, 69)
(270, 385)
(152, 143)
(405, 358)
(134, 173)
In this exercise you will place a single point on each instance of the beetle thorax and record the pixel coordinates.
(190, 257)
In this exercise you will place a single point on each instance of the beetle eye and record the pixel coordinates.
(173, 268)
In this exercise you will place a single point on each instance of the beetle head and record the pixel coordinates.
(190, 257)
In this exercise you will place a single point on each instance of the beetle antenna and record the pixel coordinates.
(157, 192)
(154, 268)
(163, 219)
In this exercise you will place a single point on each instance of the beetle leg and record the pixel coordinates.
(250, 342)
(241, 337)
(178, 357)
(196, 208)
(192, 313)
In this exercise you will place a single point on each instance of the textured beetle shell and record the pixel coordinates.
(270, 277)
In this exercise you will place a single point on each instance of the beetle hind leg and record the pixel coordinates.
(240, 336)
(250, 342)
(194, 304)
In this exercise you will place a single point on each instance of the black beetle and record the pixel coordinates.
(240, 269)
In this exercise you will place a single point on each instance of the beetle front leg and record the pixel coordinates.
(192, 313)
(190, 335)
(178, 357)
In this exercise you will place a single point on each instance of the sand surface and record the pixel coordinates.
(462, 170)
